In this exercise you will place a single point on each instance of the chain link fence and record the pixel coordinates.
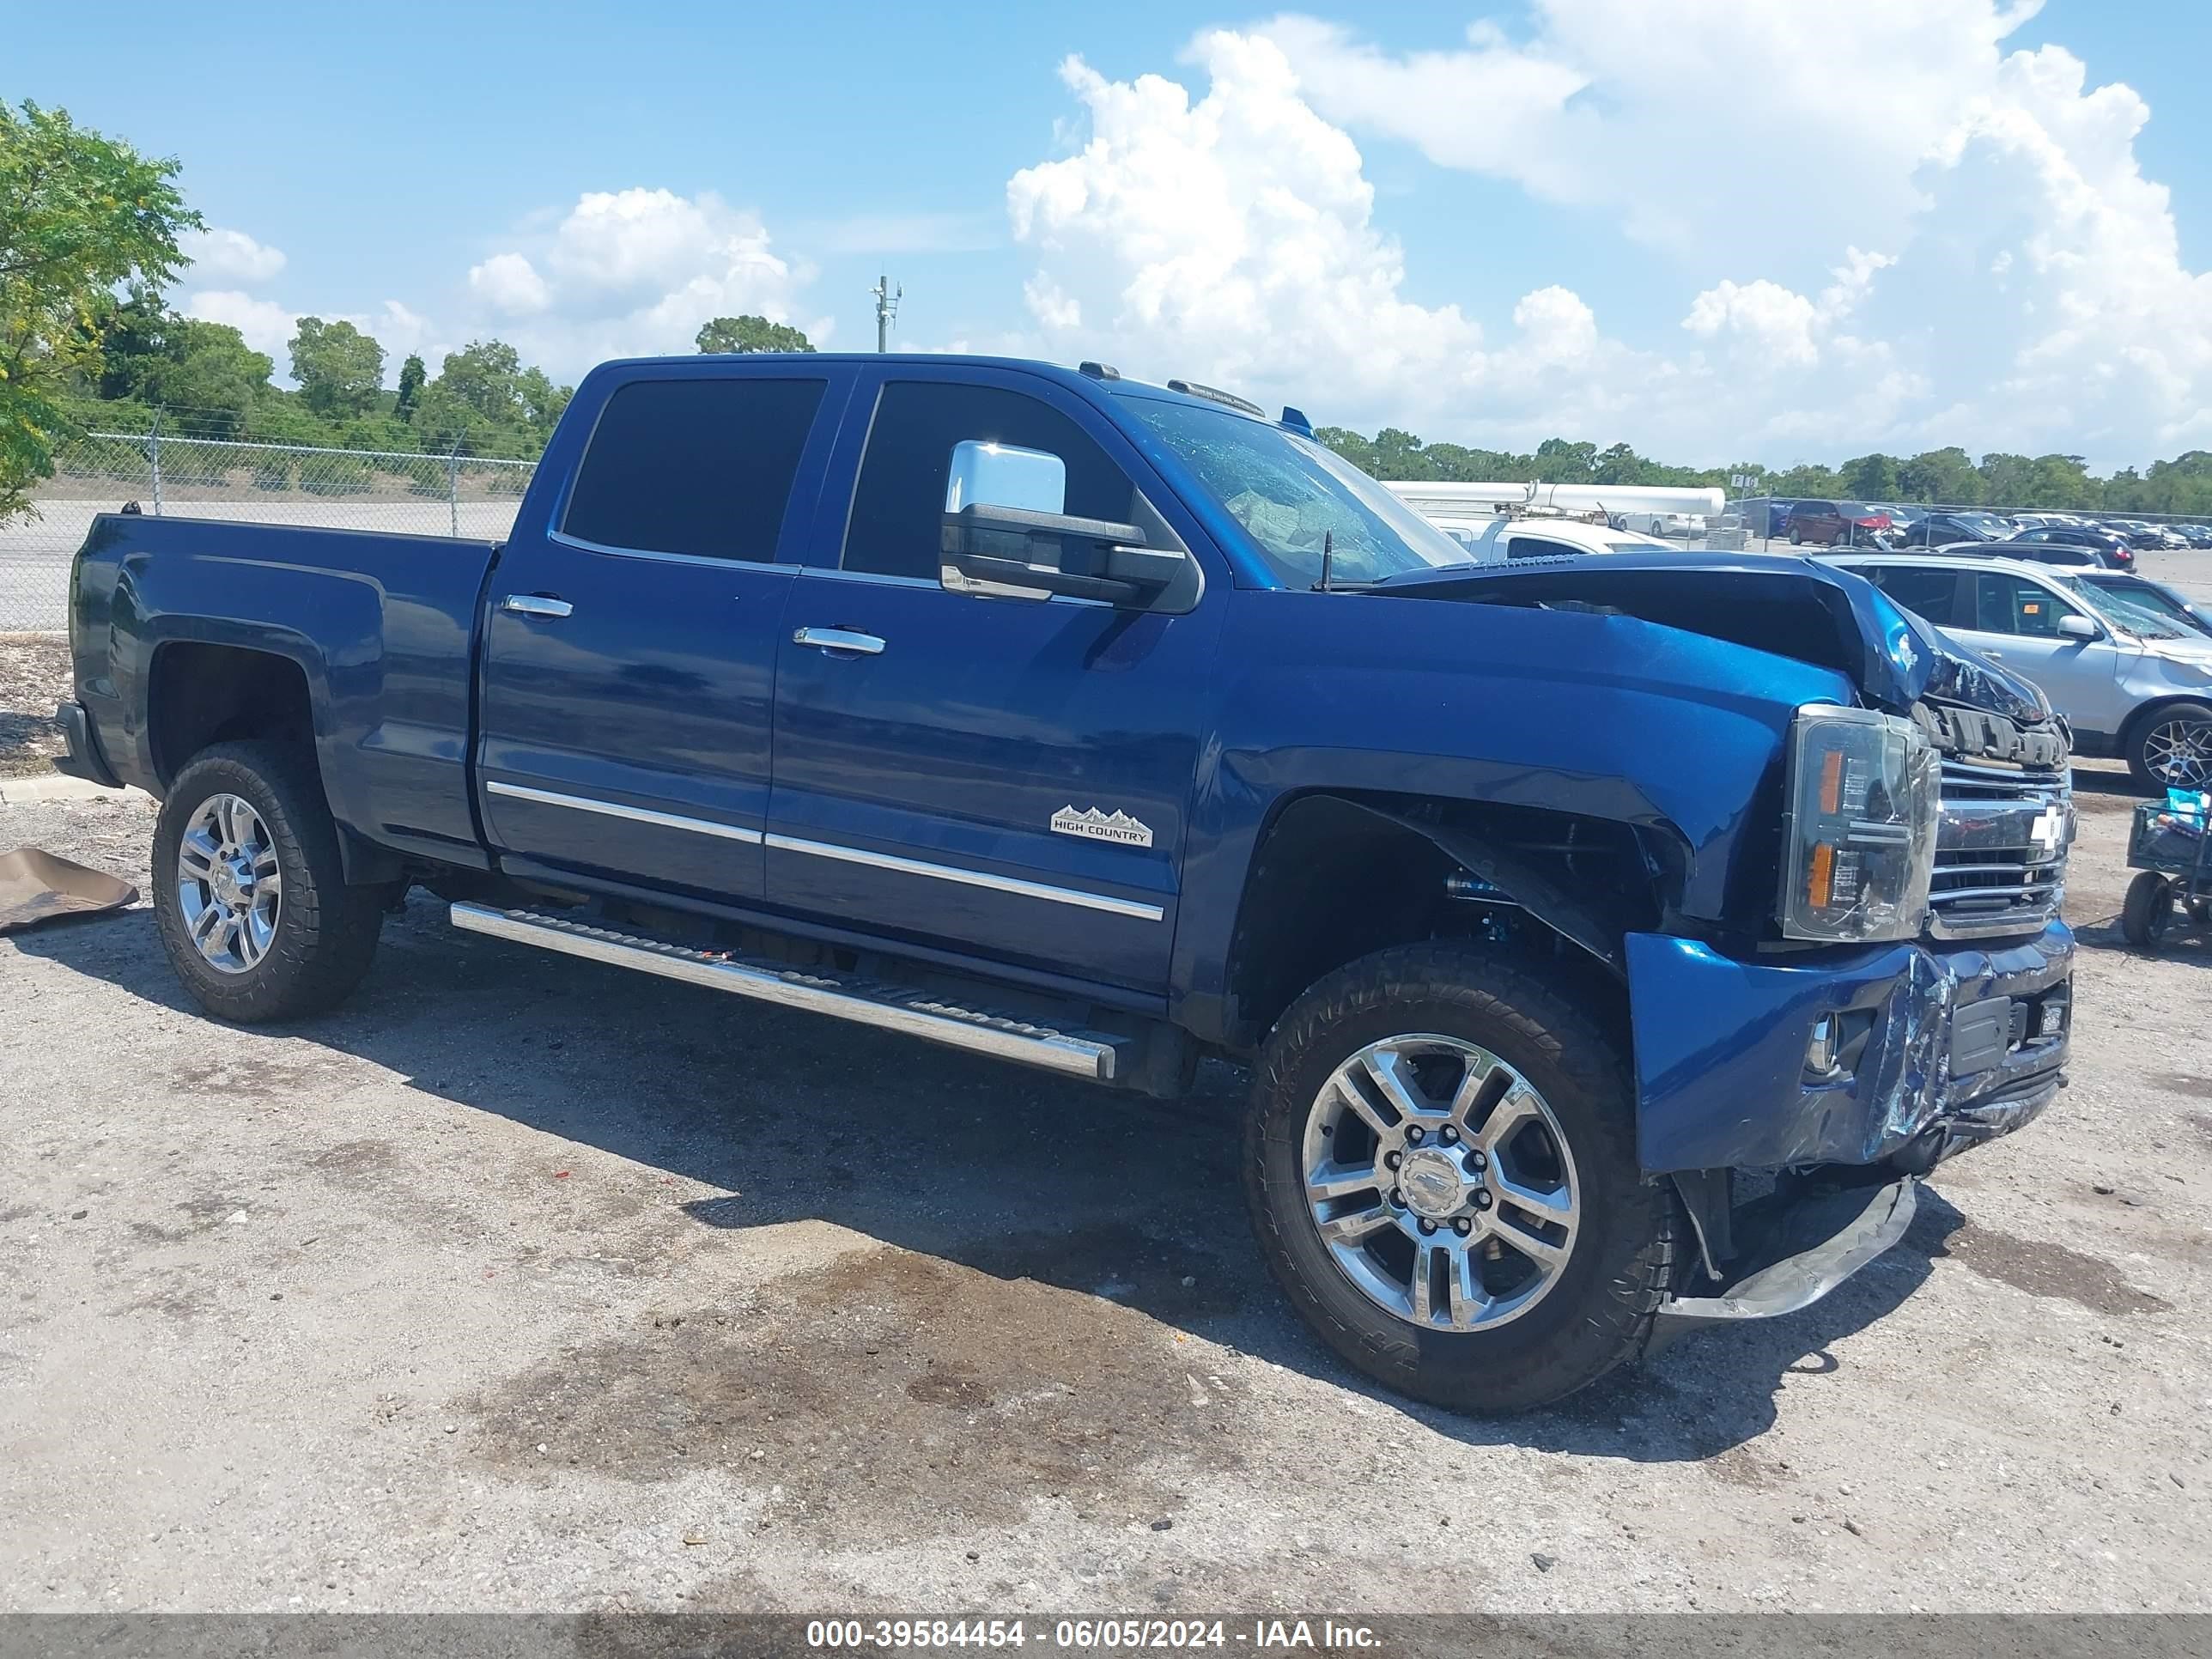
(262, 484)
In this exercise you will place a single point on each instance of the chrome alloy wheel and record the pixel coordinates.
(229, 890)
(2178, 753)
(1441, 1183)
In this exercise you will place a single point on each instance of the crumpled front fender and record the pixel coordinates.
(1721, 1046)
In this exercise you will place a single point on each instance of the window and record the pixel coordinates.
(1929, 594)
(898, 504)
(1537, 546)
(2014, 604)
(1292, 497)
(696, 466)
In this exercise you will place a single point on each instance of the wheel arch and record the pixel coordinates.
(1336, 875)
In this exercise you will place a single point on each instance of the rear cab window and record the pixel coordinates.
(694, 468)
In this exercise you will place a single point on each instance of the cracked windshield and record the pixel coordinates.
(1292, 496)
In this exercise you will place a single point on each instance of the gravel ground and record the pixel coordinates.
(35, 676)
(521, 1283)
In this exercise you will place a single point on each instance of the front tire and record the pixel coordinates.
(1521, 1254)
(1796, 537)
(250, 890)
(2173, 748)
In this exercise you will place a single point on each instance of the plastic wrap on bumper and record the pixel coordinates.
(1721, 1049)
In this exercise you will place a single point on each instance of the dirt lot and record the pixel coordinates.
(35, 676)
(525, 1284)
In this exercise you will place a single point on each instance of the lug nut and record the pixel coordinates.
(1427, 1225)
(1391, 1160)
(1448, 1134)
(1476, 1161)
(1415, 1135)
(1482, 1200)
(1397, 1199)
(1462, 1226)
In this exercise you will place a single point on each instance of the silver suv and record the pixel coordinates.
(2131, 682)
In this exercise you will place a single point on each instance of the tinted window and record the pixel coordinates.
(898, 504)
(1536, 547)
(1931, 594)
(2038, 536)
(702, 467)
(2013, 604)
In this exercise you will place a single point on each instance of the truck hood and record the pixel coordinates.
(1791, 607)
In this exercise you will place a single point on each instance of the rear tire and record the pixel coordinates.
(2172, 748)
(2149, 910)
(1796, 537)
(324, 933)
(1595, 1310)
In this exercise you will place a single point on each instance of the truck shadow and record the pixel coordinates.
(791, 1117)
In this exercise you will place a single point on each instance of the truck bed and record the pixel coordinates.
(380, 627)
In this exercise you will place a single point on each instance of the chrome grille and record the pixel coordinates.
(1997, 868)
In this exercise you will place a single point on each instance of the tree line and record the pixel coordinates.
(1947, 477)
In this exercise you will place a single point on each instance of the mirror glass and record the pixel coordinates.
(1000, 475)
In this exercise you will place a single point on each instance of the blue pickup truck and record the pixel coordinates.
(1614, 943)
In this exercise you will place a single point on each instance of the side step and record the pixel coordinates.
(1087, 1055)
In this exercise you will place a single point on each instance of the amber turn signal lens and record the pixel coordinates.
(1831, 781)
(1821, 873)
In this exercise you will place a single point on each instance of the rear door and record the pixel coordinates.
(629, 655)
(1001, 777)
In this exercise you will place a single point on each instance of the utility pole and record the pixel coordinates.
(887, 305)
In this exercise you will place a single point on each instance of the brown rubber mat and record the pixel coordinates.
(36, 886)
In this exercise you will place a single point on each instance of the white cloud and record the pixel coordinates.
(1229, 238)
(510, 284)
(635, 271)
(216, 253)
(267, 326)
(2030, 293)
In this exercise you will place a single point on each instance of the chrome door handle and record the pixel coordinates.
(536, 605)
(839, 639)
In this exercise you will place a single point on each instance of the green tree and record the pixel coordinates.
(1943, 477)
(750, 334)
(411, 377)
(339, 369)
(1559, 461)
(79, 213)
(2007, 481)
(1870, 477)
(203, 373)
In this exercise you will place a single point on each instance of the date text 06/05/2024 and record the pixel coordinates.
(1093, 1635)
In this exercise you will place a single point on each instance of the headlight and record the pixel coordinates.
(1859, 845)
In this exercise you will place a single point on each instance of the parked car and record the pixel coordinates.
(1114, 726)
(1937, 529)
(1835, 524)
(2129, 685)
(1679, 526)
(2143, 535)
(2105, 547)
(2197, 535)
(2168, 603)
(1764, 518)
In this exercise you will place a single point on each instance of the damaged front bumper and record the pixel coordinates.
(1894, 1054)
(1834, 1065)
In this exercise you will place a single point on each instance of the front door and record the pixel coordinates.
(2015, 620)
(1005, 777)
(630, 652)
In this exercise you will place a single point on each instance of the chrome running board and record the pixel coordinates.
(1087, 1055)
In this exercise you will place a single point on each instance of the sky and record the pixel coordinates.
(1717, 230)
